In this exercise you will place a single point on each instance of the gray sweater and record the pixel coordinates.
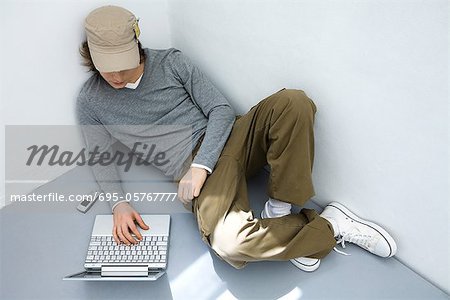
(171, 108)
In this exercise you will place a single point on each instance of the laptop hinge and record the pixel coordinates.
(135, 270)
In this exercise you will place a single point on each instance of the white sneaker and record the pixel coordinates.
(353, 229)
(306, 264)
(303, 263)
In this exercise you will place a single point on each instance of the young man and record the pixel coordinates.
(149, 87)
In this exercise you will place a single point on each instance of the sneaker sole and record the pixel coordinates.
(387, 237)
(304, 267)
(301, 266)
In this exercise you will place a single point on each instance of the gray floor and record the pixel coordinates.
(43, 242)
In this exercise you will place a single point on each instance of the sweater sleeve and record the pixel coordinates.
(98, 140)
(211, 102)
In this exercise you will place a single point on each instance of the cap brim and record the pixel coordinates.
(113, 62)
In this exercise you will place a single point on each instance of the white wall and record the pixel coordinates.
(378, 71)
(40, 67)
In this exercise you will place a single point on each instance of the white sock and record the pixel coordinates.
(278, 208)
(334, 224)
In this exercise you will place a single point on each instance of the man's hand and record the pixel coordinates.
(191, 184)
(124, 217)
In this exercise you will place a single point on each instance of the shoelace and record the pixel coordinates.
(362, 240)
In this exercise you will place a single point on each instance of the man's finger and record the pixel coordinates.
(197, 191)
(141, 222)
(190, 192)
(127, 234)
(186, 192)
(116, 238)
(121, 236)
(181, 192)
(135, 230)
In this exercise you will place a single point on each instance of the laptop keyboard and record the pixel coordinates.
(151, 250)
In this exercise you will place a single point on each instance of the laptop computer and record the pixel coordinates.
(145, 261)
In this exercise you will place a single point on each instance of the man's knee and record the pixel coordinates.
(225, 246)
(226, 239)
(293, 106)
(296, 101)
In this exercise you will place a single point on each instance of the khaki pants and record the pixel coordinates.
(277, 131)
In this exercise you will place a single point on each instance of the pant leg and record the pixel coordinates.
(278, 131)
(268, 133)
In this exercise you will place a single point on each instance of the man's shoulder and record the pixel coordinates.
(161, 52)
(163, 56)
(90, 86)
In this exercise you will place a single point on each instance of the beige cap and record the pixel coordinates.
(112, 34)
